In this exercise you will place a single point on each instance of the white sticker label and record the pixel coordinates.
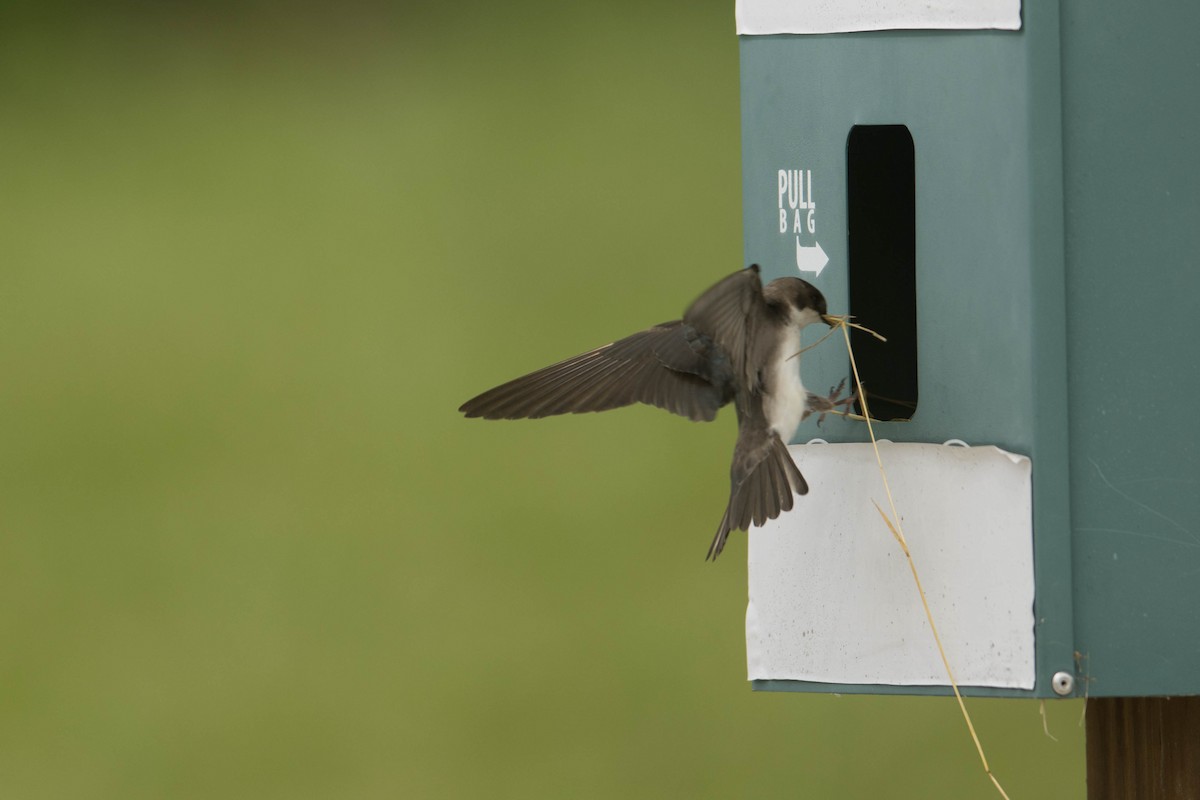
(831, 597)
(766, 17)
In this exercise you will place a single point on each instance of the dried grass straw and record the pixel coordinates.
(836, 321)
(898, 532)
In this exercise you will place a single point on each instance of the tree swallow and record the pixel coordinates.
(735, 343)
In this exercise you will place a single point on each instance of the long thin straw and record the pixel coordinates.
(898, 533)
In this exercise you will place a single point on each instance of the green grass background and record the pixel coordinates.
(252, 258)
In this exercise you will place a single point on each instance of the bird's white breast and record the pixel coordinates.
(786, 400)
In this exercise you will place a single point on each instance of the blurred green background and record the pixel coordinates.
(252, 258)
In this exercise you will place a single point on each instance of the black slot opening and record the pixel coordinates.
(882, 221)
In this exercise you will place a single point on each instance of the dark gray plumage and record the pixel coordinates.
(733, 345)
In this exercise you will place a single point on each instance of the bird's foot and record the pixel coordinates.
(832, 403)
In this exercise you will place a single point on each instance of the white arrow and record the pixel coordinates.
(811, 259)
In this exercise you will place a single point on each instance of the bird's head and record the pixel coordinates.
(803, 301)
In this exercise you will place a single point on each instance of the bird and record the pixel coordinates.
(735, 344)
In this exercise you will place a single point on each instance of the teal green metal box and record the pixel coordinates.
(1053, 224)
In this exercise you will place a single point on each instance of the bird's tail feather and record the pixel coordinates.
(765, 493)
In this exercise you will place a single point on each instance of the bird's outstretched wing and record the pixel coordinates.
(763, 481)
(671, 366)
(731, 312)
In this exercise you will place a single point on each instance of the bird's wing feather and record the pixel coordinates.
(732, 312)
(664, 366)
(763, 479)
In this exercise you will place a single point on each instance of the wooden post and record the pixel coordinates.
(1146, 748)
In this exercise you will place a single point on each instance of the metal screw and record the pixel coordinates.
(1063, 683)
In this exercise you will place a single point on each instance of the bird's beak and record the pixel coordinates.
(831, 321)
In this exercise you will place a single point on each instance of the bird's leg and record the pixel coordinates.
(831, 403)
